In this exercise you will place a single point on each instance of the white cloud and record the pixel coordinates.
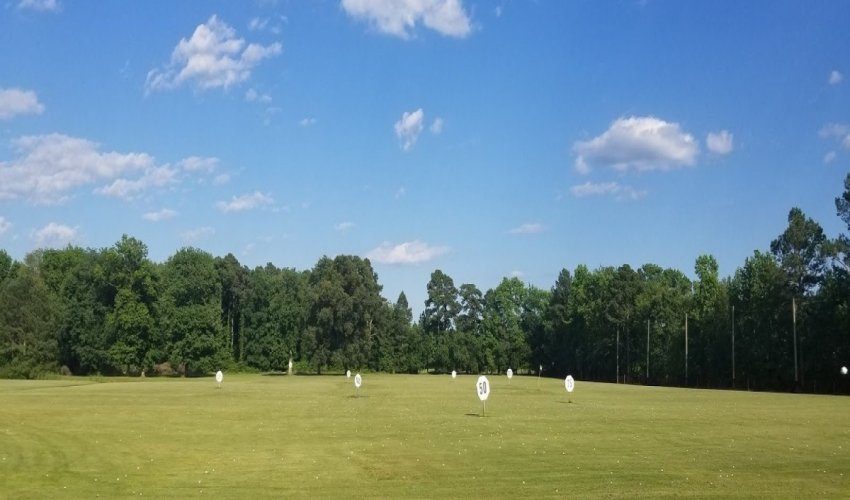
(437, 126)
(529, 228)
(245, 202)
(408, 128)
(212, 58)
(400, 192)
(221, 179)
(621, 192)
(257, 24)
(55, 235)
(18, 102)
(835, 77)
(837, 131)
(411, 252)
(517, 274)
(4, 225)
(48, 166)
(307, 122)
(40, 5)
(196, 234)
(720, 143)
(344, 226)
(199, 164)
(834, 130)
(400, 17)
(164, 214)
(253, 96)
(127, 189)
(642, 143)
(829, 157)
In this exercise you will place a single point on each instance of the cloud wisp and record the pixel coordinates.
(408, 128)
(411, 252)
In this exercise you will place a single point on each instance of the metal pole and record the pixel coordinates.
(618, 354)
(647, 351)
(794, 316)
(686, 349)
(733, 346)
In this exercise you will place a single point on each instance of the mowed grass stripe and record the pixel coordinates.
(414, 436)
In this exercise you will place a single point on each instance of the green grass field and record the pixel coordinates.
(414, 436)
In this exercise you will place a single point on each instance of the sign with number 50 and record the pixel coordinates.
(483, 388)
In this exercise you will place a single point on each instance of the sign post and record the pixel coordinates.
(482, 387)
(569, 384)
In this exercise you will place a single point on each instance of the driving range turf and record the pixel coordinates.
(414, 436)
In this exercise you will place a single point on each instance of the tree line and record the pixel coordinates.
(781, 322)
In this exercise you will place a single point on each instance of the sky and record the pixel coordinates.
(488, 139)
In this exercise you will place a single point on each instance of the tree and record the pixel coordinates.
(28, 344)
(801, 250)
(710, 361)
(234, 279)
(560, 349)
(345, 308)
(5, 265)
(438, 320)
(191, 312)
(762, 324)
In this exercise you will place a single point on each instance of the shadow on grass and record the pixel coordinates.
(357, 397)
(476, 415)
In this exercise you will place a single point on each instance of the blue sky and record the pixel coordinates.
(483, 138)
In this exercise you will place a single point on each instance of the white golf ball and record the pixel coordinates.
(844, 370)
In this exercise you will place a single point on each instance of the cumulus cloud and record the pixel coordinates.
(5, 225)
(619, 191)
(411, 252)
(48, 166)
(193, 235)
(835, 77)
(344, 226)
(437, 126)
(15, 102)
(719, 143)
(529, 228)
(40, 5)
(164, 214)
(248, 201)
(55, 235)
(408, 128)
(199, 164)
(128, 189)
(400, 18)
(640, 143)
(212, 58)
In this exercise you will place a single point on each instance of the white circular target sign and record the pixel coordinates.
(510, 374)
(347, 373)
(482, 387)
(219, 376)
(569, 383)
(358, 381)
(454, 374)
